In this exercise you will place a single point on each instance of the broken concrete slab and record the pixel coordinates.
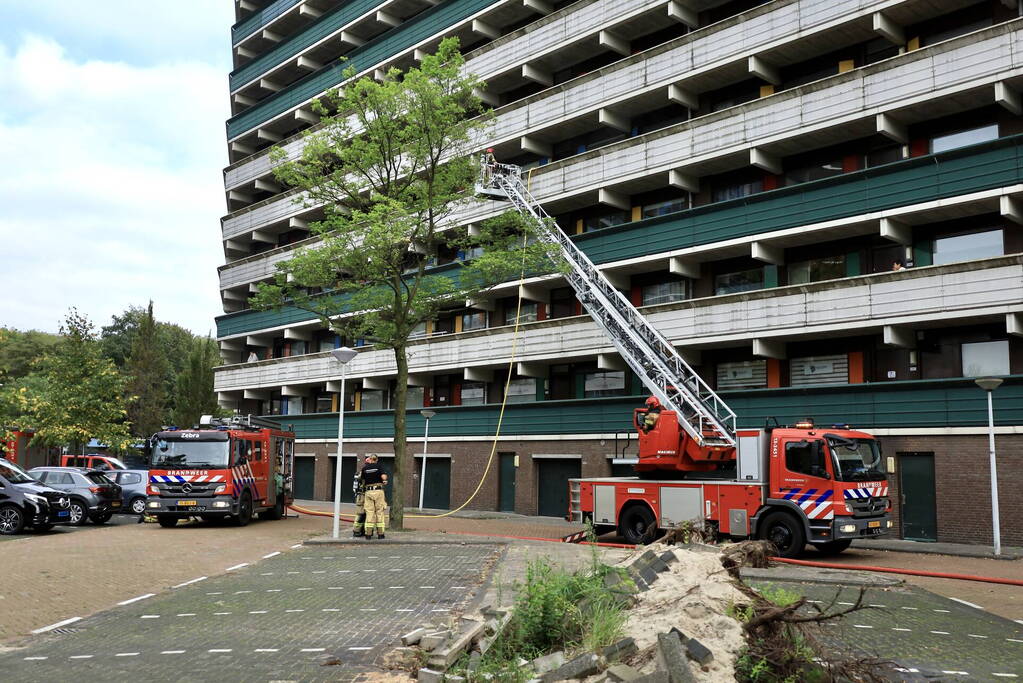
(668, 557)
(623, 673)
(698, 652)
(413, 637)
(654, 677)
(454, 648)
(549, 662)
(626, 647)
(431, 641)
(474, 662)
(431, 676)
(671, 657)
(580, 667)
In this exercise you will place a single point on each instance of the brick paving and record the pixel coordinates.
(922, 632)
(272, 620)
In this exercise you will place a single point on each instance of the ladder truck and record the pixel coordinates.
(791, 485)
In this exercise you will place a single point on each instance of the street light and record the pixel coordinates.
(989, 384)
(422, 474)
(343, 355)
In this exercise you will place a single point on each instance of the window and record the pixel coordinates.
(474, 393)
(962, 138)
(324, 403)
(414, 397)
(597, 384)
(97, 478)
(746, 374)
(665, 207)
(986, 358)
(257, 451)
(802, 457)
(527, 315)
(372, 399)
(976, 245)
(326, 343)
(293, 405)
(817, 171)
(562, 302)
(128, 478)
(832, 369)
(884, 154)
(474, 321)
(418, 331)
(734, 190)
(522, 390)
(606, 220)
(742, 281)
(815, 270)
(663, 292)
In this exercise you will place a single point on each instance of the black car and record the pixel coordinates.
(24, 502)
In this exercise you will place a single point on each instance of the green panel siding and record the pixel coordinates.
(913, 404)
(970, 169)
(395, 41)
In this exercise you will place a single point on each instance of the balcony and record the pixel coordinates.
(895, 405)
(851, 202)
(986, 290)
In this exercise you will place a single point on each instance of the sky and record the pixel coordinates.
(112, 149)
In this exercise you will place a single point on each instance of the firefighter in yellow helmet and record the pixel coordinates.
(374, 479)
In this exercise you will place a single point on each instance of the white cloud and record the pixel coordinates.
(112, 187)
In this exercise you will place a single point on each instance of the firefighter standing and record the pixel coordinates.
(374, 479)
(360, 505)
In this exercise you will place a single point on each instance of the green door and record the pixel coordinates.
(347, 477)
(552, 491)
(305, 470)
(437, 495)
(506, 483)
(916, 482)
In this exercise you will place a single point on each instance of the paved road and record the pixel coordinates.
(922, 632)
(61, 529)
(272, 620)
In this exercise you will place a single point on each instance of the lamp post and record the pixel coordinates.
(422, 474)
(989, 384)
(343, 355)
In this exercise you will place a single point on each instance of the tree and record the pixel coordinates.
(390, 165)
(76, 394)
(147, 371)
(18, 350)
(194, 387)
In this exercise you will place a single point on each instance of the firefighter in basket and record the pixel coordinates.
(653, 412)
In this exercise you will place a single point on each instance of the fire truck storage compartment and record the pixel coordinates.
(752, 447)
(680, 504)
(604, 504)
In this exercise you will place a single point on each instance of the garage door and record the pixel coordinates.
(552, 490)
(437, 495)
(305, 471)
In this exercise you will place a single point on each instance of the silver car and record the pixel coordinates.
(133, 485)
(93, 496)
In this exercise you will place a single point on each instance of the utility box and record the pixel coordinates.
(751, 455)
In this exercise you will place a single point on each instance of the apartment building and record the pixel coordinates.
(820, 203)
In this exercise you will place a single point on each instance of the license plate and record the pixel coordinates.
(115, 504)
(187, 503)
(63, 513)
(874, 525)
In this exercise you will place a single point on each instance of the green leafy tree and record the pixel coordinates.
(75, 394)
(194, 395)
(18, 350)
(390, 163)
(147, 371)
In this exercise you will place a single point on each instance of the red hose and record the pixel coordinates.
(910, 572)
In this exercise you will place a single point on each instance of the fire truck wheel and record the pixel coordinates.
(244, 515)
(276, 512)
(637, 525)
(167, 521)
(785, 532)
(833, 547)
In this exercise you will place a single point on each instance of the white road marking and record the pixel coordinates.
(862, 626)
(974, 635)
(445, 609)
(940, 633)
(237, 566)
(344, 571)
(273, 590)
(320, 571)
(404, 610)
(44, 629)
(458, 588)
(141, 597)
(216, 593)
(273, 554)
(220, 614)
(150, 616)
(312, 649)
(367, 609)
(267, 574)
(422, 569)
(957, 673)
(303, 589)
(35, 659)
(187, 614)
(297, 545)
(294, 610)
(360, 648)
(173, 652)
(266, 649)
(870, 605)
(127, 654)
(427, 586)
(899, 668)
(394, 557)
(1013, 640)
(81, 657)
(395, 587)
(330, 609)
(258, 611)
(1004, 675)
(220, 650)
(372, 557)
(968, 604)
(945, 611)
(240, 592)
(335, 588)
(912, 608)
(396, 569)
(846, 603)
(189, 583)
(908, 630)
(328, 557)
(369, 570)
(365, 588)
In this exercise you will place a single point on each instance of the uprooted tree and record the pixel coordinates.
(392, 163)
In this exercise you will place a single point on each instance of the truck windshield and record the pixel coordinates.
(190, 454)
(855, 459)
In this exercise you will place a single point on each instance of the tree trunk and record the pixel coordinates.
(401, 454)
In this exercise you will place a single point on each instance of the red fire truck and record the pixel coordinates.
(227, 469)
(789, 485)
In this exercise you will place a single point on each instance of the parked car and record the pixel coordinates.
(92, 461)
(26, 502)
(133, 485)
(93, 496)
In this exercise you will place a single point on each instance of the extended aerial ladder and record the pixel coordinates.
(701, 412)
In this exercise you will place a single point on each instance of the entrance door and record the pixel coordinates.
(506, 483)
(552, 492)
(347, 477)
(916, 482)
(305, 471)
(437, 495)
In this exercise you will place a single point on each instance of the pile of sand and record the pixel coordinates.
(694, 596)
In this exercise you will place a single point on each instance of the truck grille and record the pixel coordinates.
(193, 488)
(867, 507)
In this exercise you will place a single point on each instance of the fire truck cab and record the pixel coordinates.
(232, 469)
(790, 485)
